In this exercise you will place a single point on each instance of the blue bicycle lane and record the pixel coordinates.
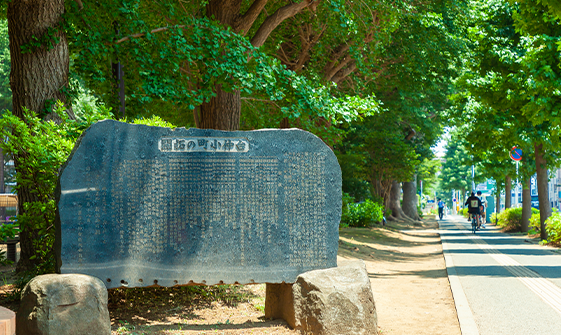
(501, 283)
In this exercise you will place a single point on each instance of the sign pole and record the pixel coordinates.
(517, 183)
(516, 155)
(473, 178)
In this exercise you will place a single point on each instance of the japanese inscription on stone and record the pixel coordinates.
(140, 205)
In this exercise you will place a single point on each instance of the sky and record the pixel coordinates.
(439, 149)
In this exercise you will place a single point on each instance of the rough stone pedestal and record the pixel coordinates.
(7, 321)
(68, 304)
(332, 301)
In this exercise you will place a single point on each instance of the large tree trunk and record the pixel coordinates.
(508, 191)
(498, 205)
(410, 200)
(36, 77)
(222, 112)
(543, 193)
(394, 202)
(526, 207)
(381, 189)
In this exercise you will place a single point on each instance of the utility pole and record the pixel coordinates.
(472, 178)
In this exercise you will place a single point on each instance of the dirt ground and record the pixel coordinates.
(404, 262)
(408, 275)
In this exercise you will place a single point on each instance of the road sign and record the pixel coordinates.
(516, 153)
(454, 200)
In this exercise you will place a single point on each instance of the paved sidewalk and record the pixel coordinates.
(501, 283)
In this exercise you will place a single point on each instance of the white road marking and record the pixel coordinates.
(543, 288)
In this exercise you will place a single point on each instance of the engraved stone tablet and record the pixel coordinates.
(140, 205)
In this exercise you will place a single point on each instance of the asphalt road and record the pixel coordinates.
(502, 284)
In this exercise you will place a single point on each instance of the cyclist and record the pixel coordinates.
(474, 208)
(482, 208)
(440, 208)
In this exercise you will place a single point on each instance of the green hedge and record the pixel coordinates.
(534, 222)
(511, 219)
(361, 214)
(553, 228)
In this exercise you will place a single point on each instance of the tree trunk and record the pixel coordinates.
(508, 191)
(394, 203)
(222, 111)
(38, 76)
(36, 79)
(284, 124)
(498, 205)
(526, 207)
(410, 200)
(543, 193)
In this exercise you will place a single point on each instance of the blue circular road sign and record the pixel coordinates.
(516, 154)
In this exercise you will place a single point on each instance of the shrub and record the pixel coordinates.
(534, 226)
(464, 212)
(362, 214)
(510, 219)
(347, 200)
(42, 147)
(553, 228)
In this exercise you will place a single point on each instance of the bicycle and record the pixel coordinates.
(473, 223)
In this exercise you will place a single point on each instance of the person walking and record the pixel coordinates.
(482, 209)
(440, 208)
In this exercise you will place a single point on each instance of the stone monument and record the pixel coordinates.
(141, 205)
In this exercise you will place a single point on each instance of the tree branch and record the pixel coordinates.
(344, 73)
(307, 45)
(284, 58)
(80, 4)
(153, 31)
(330, 67)
(272, 21)
(244, 23)
(334, 70)
(261, 100)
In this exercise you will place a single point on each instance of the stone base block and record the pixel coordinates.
(332, 301)
(67, 304)
(7, 321)
(279, 303)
